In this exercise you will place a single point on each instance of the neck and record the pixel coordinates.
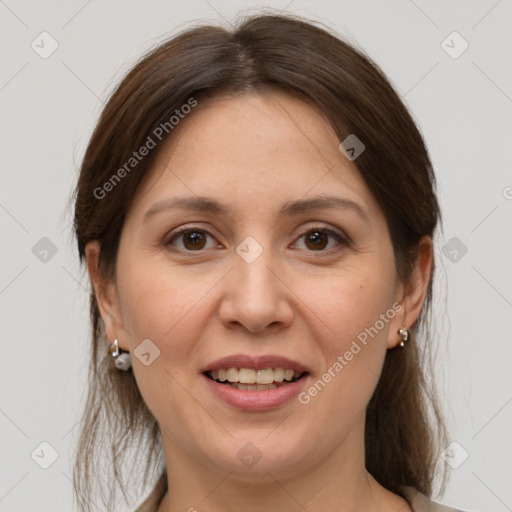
(337, 482)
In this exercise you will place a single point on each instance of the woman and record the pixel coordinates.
(256, 209)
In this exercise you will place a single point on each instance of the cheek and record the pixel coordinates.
(168, 309)
(350, 305)
(352, 319)
(165, 307)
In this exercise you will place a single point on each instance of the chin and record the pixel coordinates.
(252, 458)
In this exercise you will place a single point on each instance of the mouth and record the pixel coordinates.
(250, 379)
(255, 382)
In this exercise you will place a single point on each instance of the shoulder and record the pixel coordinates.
(421, 503)
(418, 501)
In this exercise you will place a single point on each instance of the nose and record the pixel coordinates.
(256, 296)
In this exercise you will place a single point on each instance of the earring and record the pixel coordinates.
(122, 361)
(404, 334)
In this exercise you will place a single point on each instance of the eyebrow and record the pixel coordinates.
(210, 205)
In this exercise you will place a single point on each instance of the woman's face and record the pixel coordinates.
(276, 270)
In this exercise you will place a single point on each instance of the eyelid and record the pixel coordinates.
(339, 233)
(183, 229)
(343, 239)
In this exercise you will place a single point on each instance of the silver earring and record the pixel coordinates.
(404, 334)
(122, 361)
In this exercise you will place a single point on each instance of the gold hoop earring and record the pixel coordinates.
(404, 334)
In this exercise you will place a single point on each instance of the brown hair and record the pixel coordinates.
(295, 56)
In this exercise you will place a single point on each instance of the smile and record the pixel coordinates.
(248, 379)
(256, 397)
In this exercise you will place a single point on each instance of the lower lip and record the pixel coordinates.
(257, 400)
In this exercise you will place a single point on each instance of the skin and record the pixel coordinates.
(253, 153)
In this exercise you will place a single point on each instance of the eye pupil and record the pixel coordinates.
(318, 238)
(194, 237)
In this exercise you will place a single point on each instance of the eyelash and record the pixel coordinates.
(343, 240)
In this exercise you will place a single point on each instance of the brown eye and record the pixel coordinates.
(191, 239)
(316, 240)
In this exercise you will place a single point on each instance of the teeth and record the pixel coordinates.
(248, 376)
(232, 375)
(288, 374)
(278, 375)
(252, 387)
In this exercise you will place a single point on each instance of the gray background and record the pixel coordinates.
(49, 106)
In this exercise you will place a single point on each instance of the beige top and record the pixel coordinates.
(417, 501)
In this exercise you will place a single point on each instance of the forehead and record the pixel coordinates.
(252, 152)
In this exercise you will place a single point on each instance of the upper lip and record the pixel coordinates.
(255, 363)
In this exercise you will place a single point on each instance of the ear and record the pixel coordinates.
(413, 293)
(106, 296)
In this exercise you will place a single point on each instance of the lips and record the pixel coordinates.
(288, 378)
(255, 363)
(256, 400)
